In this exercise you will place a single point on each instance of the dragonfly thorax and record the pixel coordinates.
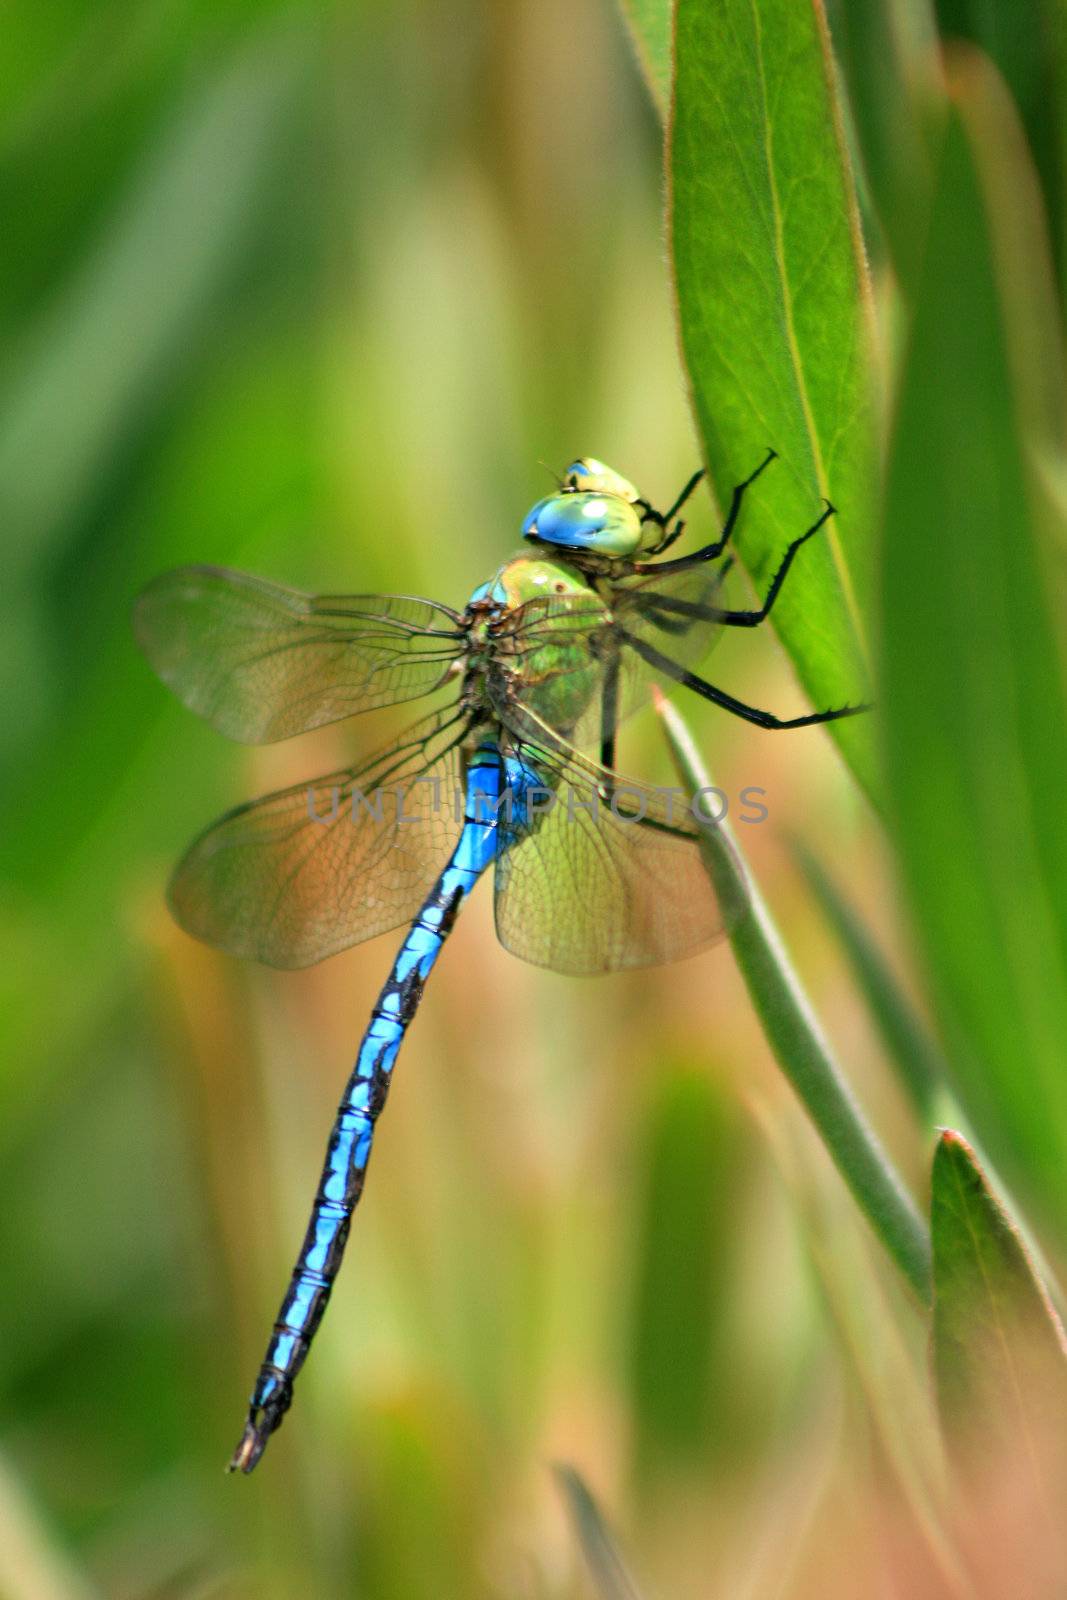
(594, 510)
(538, 577)
(529, 630)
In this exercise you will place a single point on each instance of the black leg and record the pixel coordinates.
(752, 619)
(716, 548)
(670, 536)
(662, 518)
(672, 614)
(719, 697)
(682, 498)
(609, 713)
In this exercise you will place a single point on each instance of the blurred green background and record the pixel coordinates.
(313, 291)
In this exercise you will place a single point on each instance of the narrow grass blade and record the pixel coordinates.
(918, 1061)
(649, 24)
(688, 1400)
(34, 1563)
(880, 1337)
(999, 1354)
(610, 1577)
(120, 331)
(775, 322)
(794, 1035)
(975, 708)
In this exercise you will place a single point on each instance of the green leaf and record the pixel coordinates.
(918, 1061)
(975, 711)
(774, 312)
(888, 53)
(1028, 43)
(1020, 250)
(999, 1355)
(611, 1580)
(794, 1035)
(649, 23)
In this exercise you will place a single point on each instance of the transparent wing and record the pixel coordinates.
(298, 875)
(261, 662)
(553, 638)
(609, 876)
(674, 613)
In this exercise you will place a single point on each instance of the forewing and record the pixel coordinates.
(609, 877)
(298, 875)
(261, 662)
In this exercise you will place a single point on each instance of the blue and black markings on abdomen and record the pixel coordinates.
(345, 1169)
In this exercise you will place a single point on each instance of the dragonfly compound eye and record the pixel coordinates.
(579, 520)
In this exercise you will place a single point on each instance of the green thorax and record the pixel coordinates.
(534, 625)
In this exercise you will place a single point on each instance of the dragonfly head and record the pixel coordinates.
(597, 478)
(594, 509)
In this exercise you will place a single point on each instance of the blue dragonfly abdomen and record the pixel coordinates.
(493, 786)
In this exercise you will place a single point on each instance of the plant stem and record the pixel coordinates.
(919, 1065)
(793, 1033)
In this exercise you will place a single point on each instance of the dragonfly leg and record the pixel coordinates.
(609, 713)
(662, 519)
(669, 537)
(710, 551)
(673, 511)
(751, 619)
(738, 708)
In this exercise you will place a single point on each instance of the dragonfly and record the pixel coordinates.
(513, 768)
